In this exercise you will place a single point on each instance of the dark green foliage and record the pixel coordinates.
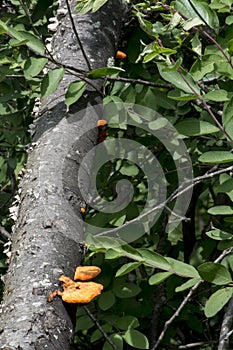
(179, 65)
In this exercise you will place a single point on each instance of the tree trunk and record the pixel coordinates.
(48, 235)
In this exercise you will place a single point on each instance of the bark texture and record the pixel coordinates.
(48, 235)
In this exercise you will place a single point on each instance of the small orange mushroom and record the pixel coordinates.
(101, 122)
(83, 210)
(120, 55)
(85, 273)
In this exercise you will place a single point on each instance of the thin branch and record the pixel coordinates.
(171, 319)
(194, 345)
(98, 325)
(6, 236)
(77, 36)
(14, 113)
(186, 299)
(140, 81)
(226, 328)
(181, 189)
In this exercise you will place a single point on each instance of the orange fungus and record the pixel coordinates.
(120, 55)
(79, 292)
(85, 273)
(101, 122)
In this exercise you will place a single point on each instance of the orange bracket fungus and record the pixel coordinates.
(103, 134)
(120, 55)
(79, 292)
(101, 122)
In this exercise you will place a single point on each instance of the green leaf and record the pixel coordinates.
(192, 22)
(51, 81)
(189, 284)
(33, 66)
(127, 322)
(217, 301)
(127, 290)
(159, 277)
(227, 117)
(84, 322)
(219, 235)
(216, 157)
(194, 8)
(221, 210)
(102, 72)
(154, 259)
(32, 41)
(3, 28)
(74, 92)
(136, 339)
(116, 339)
(205, 65)
(98, 4)
(219, 95)
(214, 273)
(126, 268)
(182, 81)
(106, 300)
(179, 95)
(182, 269)
(129, 169)
(157, 124)
(226, 186)
(83, 6)
(195, 127)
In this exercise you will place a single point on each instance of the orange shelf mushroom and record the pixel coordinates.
(120, 55)
(79, 292)
(101, 122)
(86, 273)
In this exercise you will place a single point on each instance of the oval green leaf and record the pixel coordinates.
(217, 95)
(189, 284)
(34, 66)
(219, 235)
(217, 301)
(127, 268)
(136, 339)
(127, 322)
(116, 339)
(216, 157)
(214, 273)
(182, 269)
(51, 81)
(127, 290)
(154, 259)
(106, 300)
(74, 92)
(221, 210)
(195, 127)
(159, 277)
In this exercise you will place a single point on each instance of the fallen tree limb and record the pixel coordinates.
(48, 235)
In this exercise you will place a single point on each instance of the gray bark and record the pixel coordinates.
(48, 235)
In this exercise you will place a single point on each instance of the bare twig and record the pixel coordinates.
(182, 189)
(5, 234)
(140, 81)
(98, 325)
(77, 36)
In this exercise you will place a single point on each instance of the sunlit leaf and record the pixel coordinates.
(217, 301)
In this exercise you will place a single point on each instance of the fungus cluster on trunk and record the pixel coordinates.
(77, 291)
